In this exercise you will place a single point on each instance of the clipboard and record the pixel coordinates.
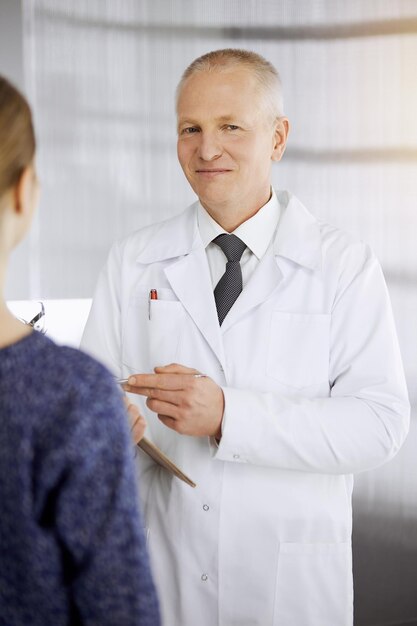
(161, 459)
(157, 455)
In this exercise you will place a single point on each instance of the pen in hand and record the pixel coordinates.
(125, 381)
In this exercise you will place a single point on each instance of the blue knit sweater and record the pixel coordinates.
(72, 550)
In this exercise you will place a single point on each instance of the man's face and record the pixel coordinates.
(226, 140)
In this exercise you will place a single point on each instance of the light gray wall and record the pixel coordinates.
(11, 66)
(11, 41)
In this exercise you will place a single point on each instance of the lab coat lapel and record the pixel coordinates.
(297, 239)
(260, 287)
(179, 246)
(190, 279)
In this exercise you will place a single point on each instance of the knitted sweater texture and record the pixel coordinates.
(72, 549)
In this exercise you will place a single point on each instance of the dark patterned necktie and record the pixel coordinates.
(230, 285)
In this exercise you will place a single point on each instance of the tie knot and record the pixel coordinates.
(232, 246)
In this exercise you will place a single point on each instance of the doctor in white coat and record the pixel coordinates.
(303, 381)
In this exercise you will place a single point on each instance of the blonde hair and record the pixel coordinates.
(228, 58)
(17, 136)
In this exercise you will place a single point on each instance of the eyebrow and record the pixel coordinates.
(227, 118)
(186, 121)
(222, 118)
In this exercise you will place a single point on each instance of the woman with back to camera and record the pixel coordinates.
(71, 550)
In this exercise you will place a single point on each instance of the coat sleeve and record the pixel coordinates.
(102, 333)
(364, 420)
(102, 337)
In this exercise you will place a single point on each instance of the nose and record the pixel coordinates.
(209, 148)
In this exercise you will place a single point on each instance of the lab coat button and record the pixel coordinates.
(236, 456)
(206, 507)
(204, 577)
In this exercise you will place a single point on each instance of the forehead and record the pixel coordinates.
(217, 94)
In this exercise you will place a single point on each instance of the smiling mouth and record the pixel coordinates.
(212, 172)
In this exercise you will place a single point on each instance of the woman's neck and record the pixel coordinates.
(11, 330)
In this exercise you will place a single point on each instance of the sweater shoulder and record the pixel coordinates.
(46, 381)
(68, 367)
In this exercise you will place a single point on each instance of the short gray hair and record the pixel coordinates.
(227, 58)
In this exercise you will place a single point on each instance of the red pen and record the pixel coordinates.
(153, 295)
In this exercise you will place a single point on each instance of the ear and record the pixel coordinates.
(24, 190)
(282, 128)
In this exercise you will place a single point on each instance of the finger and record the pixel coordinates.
(153, 392)
(137, 423)
(165, 395)
(138, 429)
(175, 368)
(158, 381)
(168, 421)
(139, 391)
(133, 412)
(163, 408)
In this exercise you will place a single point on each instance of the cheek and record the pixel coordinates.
(260, 155)
(185, 151)
(251, 160)
(249, 152)
(179, 153)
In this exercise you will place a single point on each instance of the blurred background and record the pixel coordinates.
(101, 76)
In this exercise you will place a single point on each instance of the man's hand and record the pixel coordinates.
(136, 420)
(185, 401)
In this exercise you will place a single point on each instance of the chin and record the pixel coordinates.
(215, 192)
(213, 199)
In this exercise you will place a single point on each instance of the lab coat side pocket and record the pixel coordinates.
(314, 585)
(166, 323)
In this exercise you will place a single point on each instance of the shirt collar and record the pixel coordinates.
(298, 236)
(257, 232)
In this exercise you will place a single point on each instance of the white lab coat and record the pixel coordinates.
(314, 391)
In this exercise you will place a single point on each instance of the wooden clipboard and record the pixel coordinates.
(159, 457)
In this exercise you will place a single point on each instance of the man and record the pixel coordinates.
(277, 373)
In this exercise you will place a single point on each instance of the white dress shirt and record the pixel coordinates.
(257, 233)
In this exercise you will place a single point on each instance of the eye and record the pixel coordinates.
(231, 127)
(189, 130)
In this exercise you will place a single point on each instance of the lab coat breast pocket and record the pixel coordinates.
(314, 585)
(152, 331)
(298, 353)
(166, 321)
